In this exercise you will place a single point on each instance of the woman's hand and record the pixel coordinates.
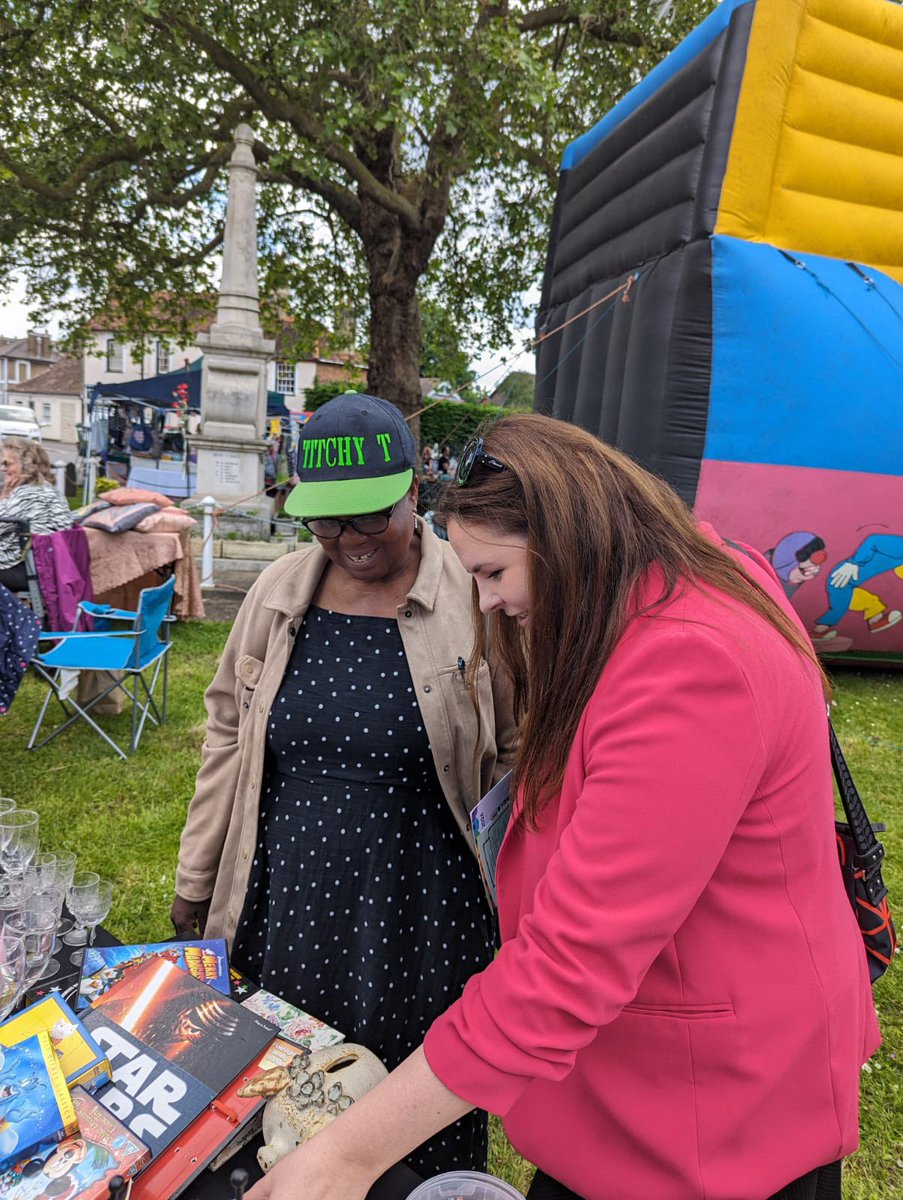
(189, 916)
(344, 1160)
(313, 1173)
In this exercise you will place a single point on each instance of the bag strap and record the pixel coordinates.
(869, 851)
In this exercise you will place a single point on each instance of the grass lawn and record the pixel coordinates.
(124, 820)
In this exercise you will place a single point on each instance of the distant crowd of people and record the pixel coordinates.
(438, 463)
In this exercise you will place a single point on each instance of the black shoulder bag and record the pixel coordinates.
(861, 855)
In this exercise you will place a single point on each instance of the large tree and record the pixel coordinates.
(408, 149)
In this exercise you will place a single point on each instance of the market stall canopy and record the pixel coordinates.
(160, 391)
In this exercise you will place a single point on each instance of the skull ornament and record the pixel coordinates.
(312, 1091)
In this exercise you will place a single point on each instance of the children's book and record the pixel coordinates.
(35, 1105)
(103, 966)
(152, 1096)
(220, 1131)
(81, 1058)
(81, 1166)
(195, 1028)
(293, 1023)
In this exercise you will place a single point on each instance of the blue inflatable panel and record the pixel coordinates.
(807, 361)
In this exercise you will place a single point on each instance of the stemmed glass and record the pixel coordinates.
(18, 840)
(82, 899)
(12, 971)
(96, 907)
(37, 929)
(14, 895)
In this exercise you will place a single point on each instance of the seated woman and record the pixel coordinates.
(28, 495)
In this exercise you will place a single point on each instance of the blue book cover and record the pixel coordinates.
(80, 1056)
(104, 966)
(152, 1096)
(35, 1105)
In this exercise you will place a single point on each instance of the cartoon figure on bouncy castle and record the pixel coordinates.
(875, 555)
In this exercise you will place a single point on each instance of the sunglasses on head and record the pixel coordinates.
(472, 456)
(333, 527)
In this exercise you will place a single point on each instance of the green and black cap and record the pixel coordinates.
(356, 455)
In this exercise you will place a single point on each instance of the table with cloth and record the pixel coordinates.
(124, 563)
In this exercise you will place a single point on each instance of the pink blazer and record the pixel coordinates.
(681, 1006)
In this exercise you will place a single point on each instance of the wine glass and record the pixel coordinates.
(65, 867)
(37, 930)
(14, 895)
(12, 971)
(81, 897)
(41, 872)
(18, 840)
(97, 907)
(50, 900)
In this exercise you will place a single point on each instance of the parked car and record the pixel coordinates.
(18, 421)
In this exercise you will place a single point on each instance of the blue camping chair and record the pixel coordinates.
(125, 654)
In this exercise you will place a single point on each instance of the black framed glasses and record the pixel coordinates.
(472, 456)
(333, 527)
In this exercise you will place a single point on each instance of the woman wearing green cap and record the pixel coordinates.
(329, 838)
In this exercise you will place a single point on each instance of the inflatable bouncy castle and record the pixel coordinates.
(723, 296)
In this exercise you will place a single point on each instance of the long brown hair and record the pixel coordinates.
(595, 522)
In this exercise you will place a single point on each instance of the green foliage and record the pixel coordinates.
(516, 391)
(317, 395)
(104, 484)
(442, 356)
(405, 148)
(454, 423)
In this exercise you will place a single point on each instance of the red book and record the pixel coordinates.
(225, 1120)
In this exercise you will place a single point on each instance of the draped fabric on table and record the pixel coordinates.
(19, 630)
(124, 563)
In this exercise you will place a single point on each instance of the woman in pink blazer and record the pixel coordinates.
(681, 1005)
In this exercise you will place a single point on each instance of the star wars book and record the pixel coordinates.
(35, 1105)
(152, 1096)
(80, 1056)
(104, 966)
(82, 1165)
(196, 1029)
(228, 1123)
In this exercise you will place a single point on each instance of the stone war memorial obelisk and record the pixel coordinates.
(230, 445)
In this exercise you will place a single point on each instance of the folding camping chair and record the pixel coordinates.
(125, 655)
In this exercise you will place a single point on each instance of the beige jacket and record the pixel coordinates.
(470, 749)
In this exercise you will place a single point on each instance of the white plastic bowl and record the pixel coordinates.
(465, 1185)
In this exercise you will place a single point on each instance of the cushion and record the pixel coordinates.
(127, 495)
(117, 519)
(169, 520)
(88, 510)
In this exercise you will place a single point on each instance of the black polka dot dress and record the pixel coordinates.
(364, 906)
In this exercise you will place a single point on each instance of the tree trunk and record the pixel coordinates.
(395, 340)
(397, 257)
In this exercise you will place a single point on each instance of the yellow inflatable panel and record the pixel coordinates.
(816, 157)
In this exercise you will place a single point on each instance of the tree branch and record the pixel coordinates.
(344, 202)
(280, 108)
(605, 30)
